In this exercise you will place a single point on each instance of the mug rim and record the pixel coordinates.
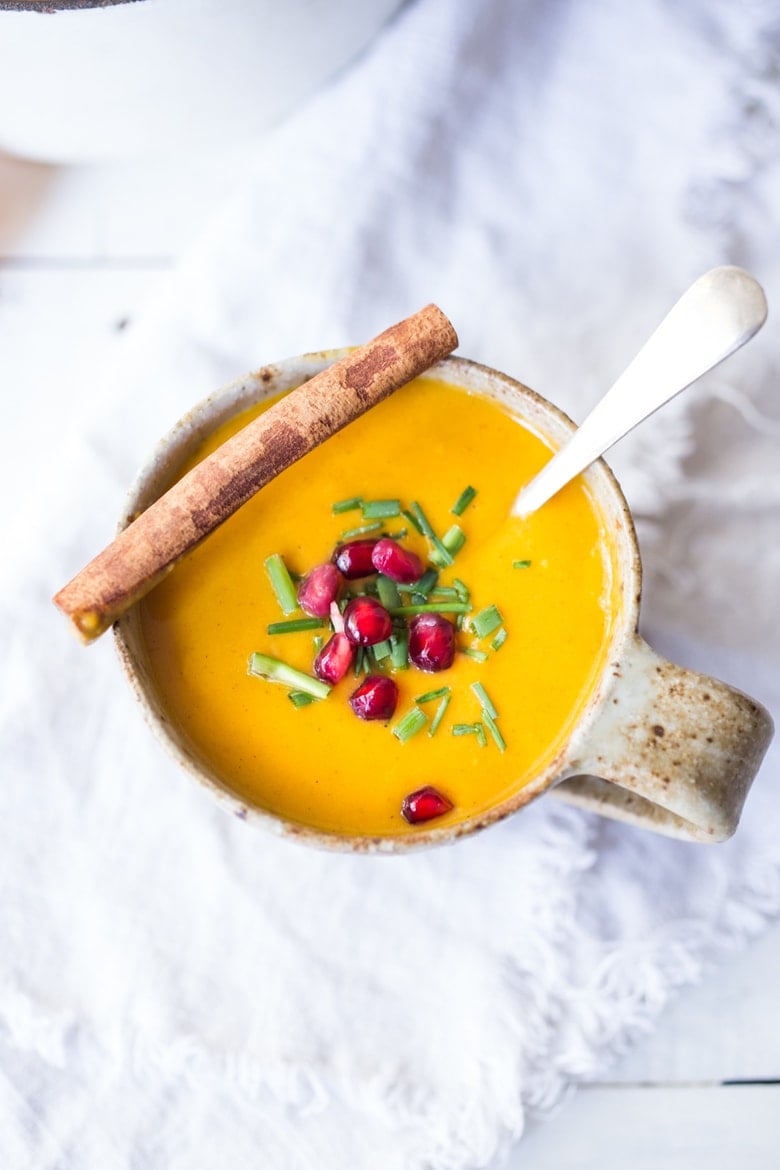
(548, 421)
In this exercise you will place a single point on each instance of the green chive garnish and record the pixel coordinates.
(427, 582)
(439, 715)
(423, 524)
(461, 589)
(415, 523)
(300, 698)
(499, 639)
(382, 650)
(381, 509)
(452, 542)
(399, 535)
(387, 591)
(409, 724)
(273, 670)
(477, 655)
(430, 695)
(464, 729)
(399, 649)
(350, 505)
(479, 731)
(281, 583)
(486, 621)
(295, 626)
(440, 555)
(362, 530)
(444, 593)
(492, 727)
(463, 501)
(485, 701)
(360, 655)
(521, 564)
(430, 607)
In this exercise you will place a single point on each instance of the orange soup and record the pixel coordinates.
(529, 649)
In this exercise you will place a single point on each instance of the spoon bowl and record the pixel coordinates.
(721, 310)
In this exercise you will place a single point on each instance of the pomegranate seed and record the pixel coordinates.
(366, 622)
(395, 562)
(424, 804)
(354, 559)
(375, 698)
(318, 589)
(334, 659)
(431, 642)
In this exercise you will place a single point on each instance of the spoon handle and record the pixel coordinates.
(718, 314)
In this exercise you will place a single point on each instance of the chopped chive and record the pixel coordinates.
(360, 655)
(415, 523)
(295, 626)
(382, 650)
(521, 564)
(423, 524)
(399, 649)
(477, 655)
(318, 642)
(454, 539)
(439, 715)
(418, 598)
(399, 535)
(430, 607)
(430, 695)
(361, 530)
(487, 621)
(492, 727)
(452, 542)
(485, 701)
(459, 620)
(427, 582)
(409, 724)
(387, 591)
(350, 505)
(463, 501)
(479, 730)
(464, 729)
(440, 555)
(301, 698)
(461, 589)
(381, 509)
(442, 592)
(281, 583)
(273, 670)
(499, 639)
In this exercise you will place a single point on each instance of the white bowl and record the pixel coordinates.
(138, 79)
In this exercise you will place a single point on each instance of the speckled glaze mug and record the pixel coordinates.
(656, 745)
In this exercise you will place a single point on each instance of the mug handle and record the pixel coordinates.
(670, 750)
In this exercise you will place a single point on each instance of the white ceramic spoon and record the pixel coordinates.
(718, 314)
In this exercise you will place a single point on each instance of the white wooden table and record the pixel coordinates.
(80, 249)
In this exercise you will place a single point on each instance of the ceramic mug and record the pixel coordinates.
(656, 745)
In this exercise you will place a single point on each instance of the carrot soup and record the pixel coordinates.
(449, 650)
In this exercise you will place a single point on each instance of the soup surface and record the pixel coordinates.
(549, 577)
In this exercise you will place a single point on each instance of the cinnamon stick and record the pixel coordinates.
(213, 490)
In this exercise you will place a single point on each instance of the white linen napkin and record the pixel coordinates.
(178, 990)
